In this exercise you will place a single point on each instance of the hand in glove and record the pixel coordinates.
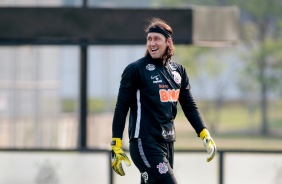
(118, 155)
(208, 143)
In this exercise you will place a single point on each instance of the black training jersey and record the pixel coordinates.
(151, 90)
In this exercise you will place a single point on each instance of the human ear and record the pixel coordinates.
(168, 43)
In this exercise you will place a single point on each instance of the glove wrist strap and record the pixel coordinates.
(204, 133)
(116, 142)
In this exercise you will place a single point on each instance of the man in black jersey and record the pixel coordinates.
(151, 87)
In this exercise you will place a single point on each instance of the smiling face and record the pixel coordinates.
(157, 44)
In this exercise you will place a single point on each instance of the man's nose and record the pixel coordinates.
(153, 43)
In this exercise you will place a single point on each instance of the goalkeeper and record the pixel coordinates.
(151, 87)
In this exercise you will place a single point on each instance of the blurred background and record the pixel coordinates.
(238, 88)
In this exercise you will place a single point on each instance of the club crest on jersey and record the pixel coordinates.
(150, 67)
(145, 176)
(173, 66)
(176, 77)
(162, 168)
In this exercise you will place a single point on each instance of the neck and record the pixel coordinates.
(164, 61)
(158, 60)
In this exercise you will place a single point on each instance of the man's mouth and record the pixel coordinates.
(154, 50)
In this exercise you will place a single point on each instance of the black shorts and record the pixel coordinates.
(153, 159)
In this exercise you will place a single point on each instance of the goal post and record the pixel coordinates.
(215, 26)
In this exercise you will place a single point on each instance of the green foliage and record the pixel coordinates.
(68, 105)
(260, 10)
(183, 3)
(96, 105)
(261, 36)
(189, 56)
(269, 53)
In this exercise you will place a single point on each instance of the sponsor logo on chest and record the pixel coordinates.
(169, 95)
(156, 79)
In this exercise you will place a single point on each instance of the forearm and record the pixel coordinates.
(191, 110)
(118, 123)
(121, 110)
(196, 120)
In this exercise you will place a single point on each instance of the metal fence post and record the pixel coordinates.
(221, 168)
(111, 173)
(82, 135)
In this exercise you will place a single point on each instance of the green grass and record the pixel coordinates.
(233, 126)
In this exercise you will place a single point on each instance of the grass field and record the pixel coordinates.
(233, 126)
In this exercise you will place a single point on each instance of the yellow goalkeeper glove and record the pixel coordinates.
(209, 144)
(118, 155)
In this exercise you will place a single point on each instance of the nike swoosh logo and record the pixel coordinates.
(153, 77)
